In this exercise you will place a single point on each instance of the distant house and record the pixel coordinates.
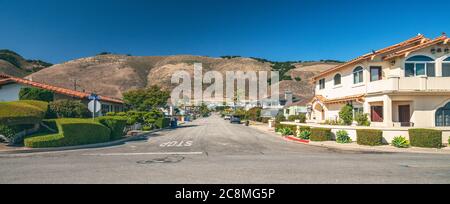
(287, 103)
(10, 88)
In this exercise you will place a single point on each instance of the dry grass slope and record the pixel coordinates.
(113, 75)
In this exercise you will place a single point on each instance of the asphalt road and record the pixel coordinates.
(211, 150)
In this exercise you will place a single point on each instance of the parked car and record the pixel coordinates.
(227, 117)
(235, 119)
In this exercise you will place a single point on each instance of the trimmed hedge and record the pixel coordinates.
(71, 132)
(280, 126)
(22, 112)
(320, 134)
(162, 122)
(369, 137)
(305, 128)
(425, 138)
(116, 124)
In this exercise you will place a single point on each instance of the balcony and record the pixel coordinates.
(420, 83)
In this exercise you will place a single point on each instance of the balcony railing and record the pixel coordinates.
(421, 83)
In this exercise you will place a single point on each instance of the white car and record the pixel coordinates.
(227, 117)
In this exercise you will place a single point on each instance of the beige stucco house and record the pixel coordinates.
(404, 85)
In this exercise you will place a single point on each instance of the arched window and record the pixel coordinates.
(420, 65)
(358, 76)
(337, 79)
(446, 67)
(443, 116)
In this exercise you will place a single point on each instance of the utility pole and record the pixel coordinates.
(75, 83)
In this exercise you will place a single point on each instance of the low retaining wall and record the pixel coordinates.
(388, 133)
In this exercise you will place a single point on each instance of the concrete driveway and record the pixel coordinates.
(211, 150)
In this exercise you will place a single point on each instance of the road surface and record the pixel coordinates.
(211, 150)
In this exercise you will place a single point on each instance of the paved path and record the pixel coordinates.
(211, 150)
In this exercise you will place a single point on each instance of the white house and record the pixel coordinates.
(407, 84)
(10, 88)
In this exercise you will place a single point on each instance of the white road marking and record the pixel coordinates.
(145, 153)
(177, 144)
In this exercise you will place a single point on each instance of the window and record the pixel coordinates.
(446, 67)
(375, 73)
(358, 75)
(357, 110)
(420, 66)
(376, 113)
(443, 116)
(337, 79)
(322, 84)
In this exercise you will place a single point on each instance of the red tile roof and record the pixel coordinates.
(418, 39)
(406, 51)
(6, 79)
(358, 98)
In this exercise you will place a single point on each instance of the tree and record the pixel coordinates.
(346, 114)
(28, 93)
(254, 114)
(151, 117)
(204, 110)
(146, 99)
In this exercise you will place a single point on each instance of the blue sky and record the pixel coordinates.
(58, 31)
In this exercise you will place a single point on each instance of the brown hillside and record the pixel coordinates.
(113, 75)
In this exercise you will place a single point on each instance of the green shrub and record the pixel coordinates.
(21, 112)
(31, 93)
(110, 114)
(320, 134)
(334, 122)
(280, 118)
(116, 124)
(400, 142)
(71, 132)
(162, 123)
(301, 117)
(305, 128)
(286, 131)
(346, 114)
(362, 119)
(7, 132)
(254, 114)
(122, 114)
(425, 138)
(279, 127)
(342, 137)
(304, 135)
(146, 128)
(69, 109)
(369, 137)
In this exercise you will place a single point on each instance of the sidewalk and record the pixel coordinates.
(355, 147)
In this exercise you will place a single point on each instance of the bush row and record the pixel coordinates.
(320, 134)
(371, 137)
(425, 138)
(116, 124)
(71, 132)
(279, 127)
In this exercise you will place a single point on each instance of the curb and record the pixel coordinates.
(366, 149)
(87, 146)
(292, 138)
